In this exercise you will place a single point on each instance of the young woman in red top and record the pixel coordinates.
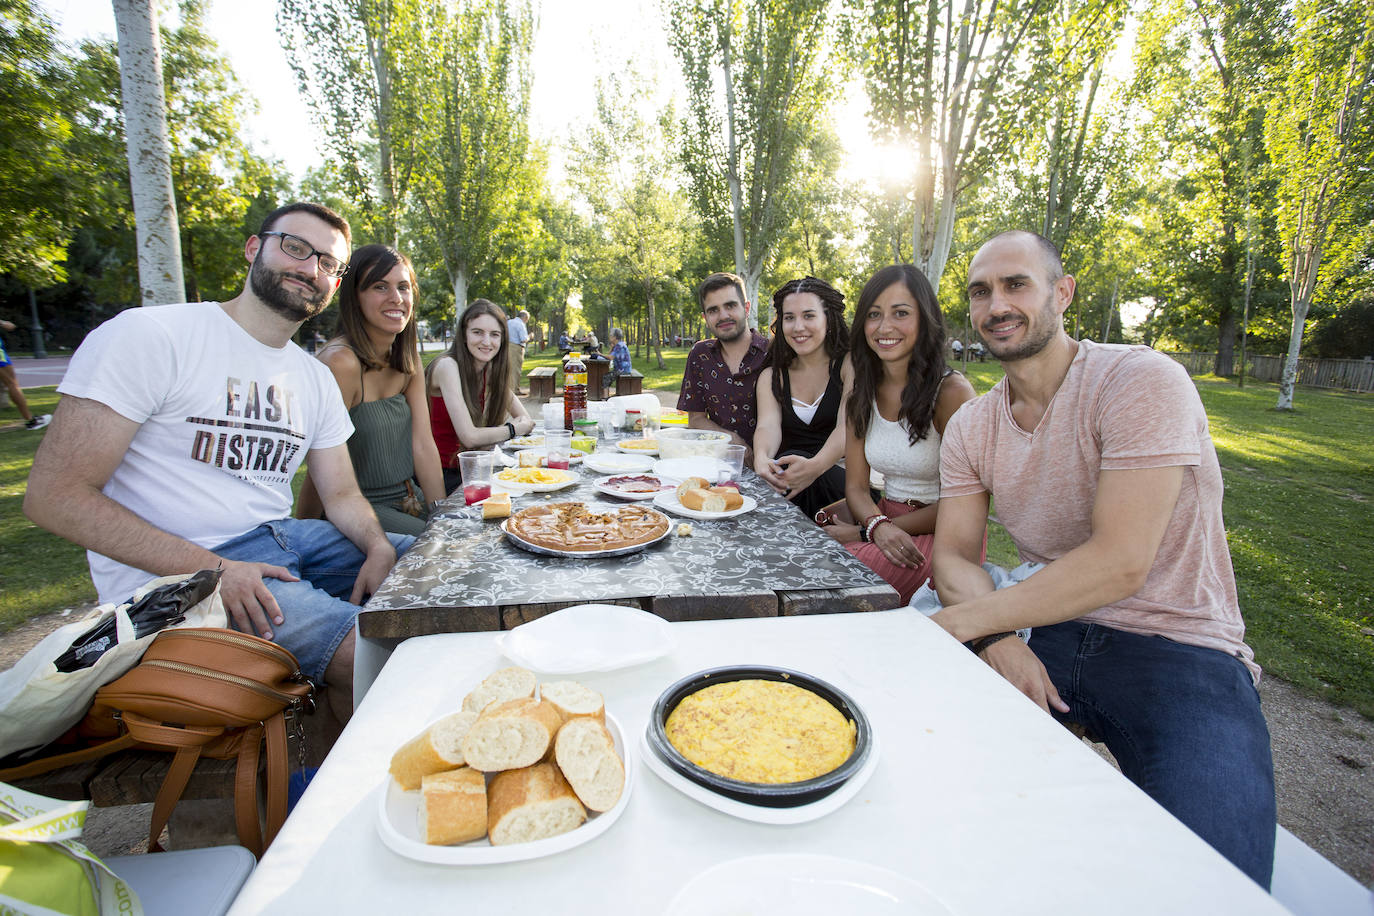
(471, 402)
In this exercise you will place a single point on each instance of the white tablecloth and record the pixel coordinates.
(978, 796)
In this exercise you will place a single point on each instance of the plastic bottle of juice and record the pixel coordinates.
(574, 388)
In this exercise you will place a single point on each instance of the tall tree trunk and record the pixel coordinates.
(150, 154)
(655, 338)
(459, 276)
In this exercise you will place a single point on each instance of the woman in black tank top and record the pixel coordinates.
(808, 371)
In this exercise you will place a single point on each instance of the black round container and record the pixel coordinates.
(771, 795)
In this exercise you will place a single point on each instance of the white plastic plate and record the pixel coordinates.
(398, 822)
(603, 485)
(801, 884)
(668, 500)
(762, 814)
(588, 637)
(619, 463)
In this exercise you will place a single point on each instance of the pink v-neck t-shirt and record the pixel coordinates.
(1119, 408)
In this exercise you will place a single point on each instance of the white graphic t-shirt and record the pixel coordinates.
(225, 422)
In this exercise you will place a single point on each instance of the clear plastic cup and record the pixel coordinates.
(476, 471)
(731, 466)
(558, 445)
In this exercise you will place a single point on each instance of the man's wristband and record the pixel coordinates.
(510, 430)
(978, 645)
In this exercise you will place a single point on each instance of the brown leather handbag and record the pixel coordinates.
(201, 691)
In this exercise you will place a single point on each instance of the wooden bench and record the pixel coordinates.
(631, 382)
(596, 373)
(131, 778)
(541, 383)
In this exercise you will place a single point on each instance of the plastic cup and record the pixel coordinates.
(558, 445)
(476, 471)
(731, 466)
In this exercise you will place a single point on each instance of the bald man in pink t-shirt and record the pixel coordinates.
(1100, 463)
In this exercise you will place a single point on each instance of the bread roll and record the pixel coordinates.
(497, 505)
(700, 500)
(531, 804)
(506, 684)
(585, 753)
(529, 458)
(436, 749)
(573, 700)
(691, 483)
(510, 735)
(732, 497)
(453, 807)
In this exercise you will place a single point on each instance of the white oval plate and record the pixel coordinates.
(588, 637)
(636, 451)
(514, 486)
(759, 813)
(603, 484)
(619, 463)
(801, 884)
(668, 500)
(398, 822)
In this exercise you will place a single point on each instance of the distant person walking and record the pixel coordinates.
(519, 336)
(12, 386)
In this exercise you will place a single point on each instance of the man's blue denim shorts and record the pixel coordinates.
(316, 609)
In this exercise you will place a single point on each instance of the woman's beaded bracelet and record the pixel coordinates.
(872, 525)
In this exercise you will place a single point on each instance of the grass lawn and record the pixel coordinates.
(1299, 489)
(39, 572)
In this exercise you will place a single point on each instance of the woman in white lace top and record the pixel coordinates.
(903, 395)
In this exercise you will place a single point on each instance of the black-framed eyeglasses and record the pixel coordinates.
(301, 250)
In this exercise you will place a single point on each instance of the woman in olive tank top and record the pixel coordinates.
(376, 362)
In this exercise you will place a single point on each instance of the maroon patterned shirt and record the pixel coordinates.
(727, 398)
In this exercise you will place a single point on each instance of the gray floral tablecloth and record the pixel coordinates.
(461, 562)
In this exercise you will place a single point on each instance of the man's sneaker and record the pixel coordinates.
(39, 422)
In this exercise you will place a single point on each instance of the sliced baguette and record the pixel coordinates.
(732, 497)
(531, 804)
(573, 700)
(453, 807)
(585, 753)
(690, 484)
(700, 500)
(511, 735)
(506, 684)
(436, 749)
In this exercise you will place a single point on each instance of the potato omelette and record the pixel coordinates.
(760, 731)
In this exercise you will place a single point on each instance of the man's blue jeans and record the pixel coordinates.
(316, 611)
(1183, 722)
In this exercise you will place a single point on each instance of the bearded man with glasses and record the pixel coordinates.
(178, 435)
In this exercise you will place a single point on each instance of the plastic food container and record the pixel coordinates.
(771, 795)
(691, 443)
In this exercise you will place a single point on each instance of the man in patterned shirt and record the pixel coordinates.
(718, 384)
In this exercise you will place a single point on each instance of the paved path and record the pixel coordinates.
(40, 373)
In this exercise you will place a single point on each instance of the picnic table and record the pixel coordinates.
(977, 797)
(463, 575)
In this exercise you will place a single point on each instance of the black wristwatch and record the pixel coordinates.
(978, 645)
(510, 429)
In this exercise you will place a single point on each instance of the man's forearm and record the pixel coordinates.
(354, 516)
(90, 519)
(1081, 581)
